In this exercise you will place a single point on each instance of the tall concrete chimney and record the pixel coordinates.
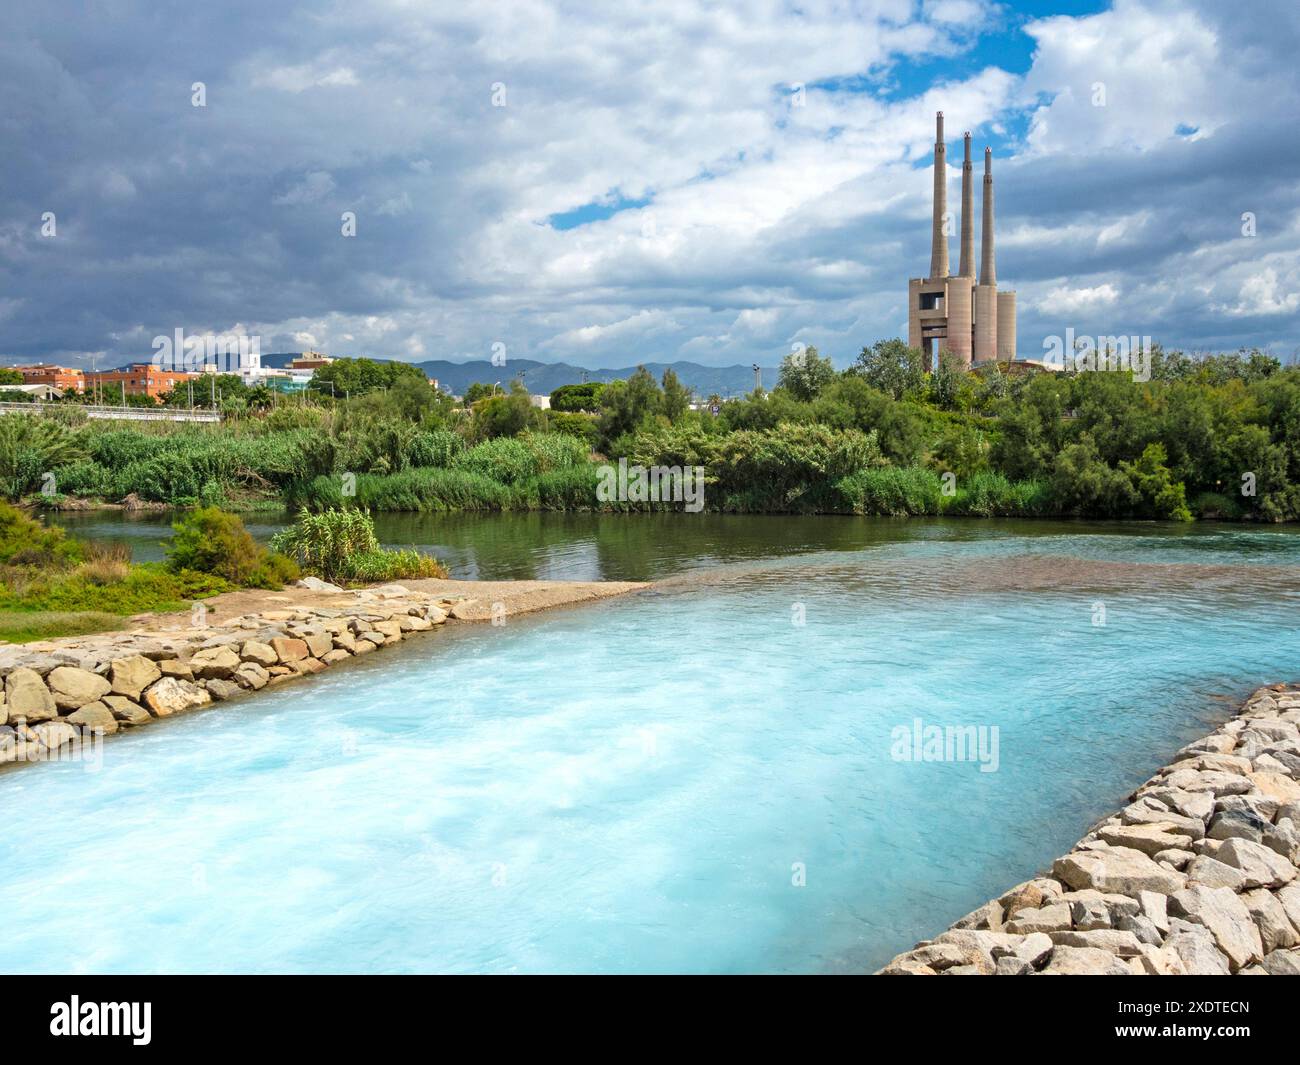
(967, 216)
(938, 238)
(988, 274)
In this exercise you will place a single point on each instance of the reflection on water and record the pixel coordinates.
(638, 547)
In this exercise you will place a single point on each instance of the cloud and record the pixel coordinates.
(770, 221)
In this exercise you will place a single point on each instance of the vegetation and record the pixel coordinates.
(209, 540)
(340, 544)
(1217, 437)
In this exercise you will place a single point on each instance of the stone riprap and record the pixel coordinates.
(1197, 875)
(56, 694)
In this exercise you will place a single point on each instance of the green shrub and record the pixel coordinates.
(26, 542)
(210, 540)
(342, 545)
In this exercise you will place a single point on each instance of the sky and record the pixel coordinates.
(612, 184)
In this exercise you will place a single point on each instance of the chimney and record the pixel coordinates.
(938, 238)
(988, 275)
(967, 216)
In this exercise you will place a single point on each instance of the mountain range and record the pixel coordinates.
(545, 377)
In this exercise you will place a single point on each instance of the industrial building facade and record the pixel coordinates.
(958, 313)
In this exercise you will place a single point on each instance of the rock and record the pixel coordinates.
(1217, 782)
(288, 649)
(1141, 927)
(1088, 910)
(1084, 961)
(1276, 786)
(1030, 894)
(130, 676)
(319, 644)
(336, 655)
(52, 735)
(1282, 963)
(260, 653)
(251, 675)
(73, 687)
(1121, 944)
(1010, 965)
(1262, 807)
(1275, 928)
(391, 630)
(1213, 873)
(1259, 866)
(1119, 869)
(95, 716)
(981, 943)
(365, 647)
(1289, 899)
(222, 689)
(1194, 804)
(1223, 913)
(214, 662)
(315, 584)
(905, 965)
(345, 641)
(1136, 814)
(1238, 824)
(1174, 859)
(1046, 919)
(1283, 838)
(310, 665)
(172, 667)
(172, 695)
(1155, 909)
(941, 956)
(27, 698)
(1150, 839)
(126, 711)
(1196, 951)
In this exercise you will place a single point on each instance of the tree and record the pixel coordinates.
(352, 377)
(10, 377)
(577, 399)
(478, 390)
(506, 415)
(626, 404)
(676, 398)
(890, 366)
(805, 373)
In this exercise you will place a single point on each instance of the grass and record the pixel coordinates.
(21, 626)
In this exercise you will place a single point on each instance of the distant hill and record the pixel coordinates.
(545, 377)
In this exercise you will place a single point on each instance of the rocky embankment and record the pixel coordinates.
(57, 695)
(1197, 875)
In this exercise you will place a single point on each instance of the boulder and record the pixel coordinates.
(1084, 961)
(262, 654)
(95, 716)
(315, 584)
(1121, 944)
(51, 735)
(73, 687)
(1238, 824)
(126, 711)
(172, 695)
(336, 655)
(1150, 839)
(287, 649)
(174, 667)
(1155, 909)
(222, 689)
(1275, 929)
(1045, 919)
(27, 698)
(1213, 873)
(1222, 912)
(1118, 869)
(130, 676)
(214, 662)
(1196, 951)
(1032, 893)
(251, 675)
(1259, 866)
(1282, 963)
(318, 644)
(1277, 786)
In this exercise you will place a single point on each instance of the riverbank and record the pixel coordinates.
(1196, 876)
(60, 698)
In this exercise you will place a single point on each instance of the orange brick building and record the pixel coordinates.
(140, 378)
(60, 377)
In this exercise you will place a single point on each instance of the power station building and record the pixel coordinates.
(956, 312)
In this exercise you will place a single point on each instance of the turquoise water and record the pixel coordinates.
(681, 781)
